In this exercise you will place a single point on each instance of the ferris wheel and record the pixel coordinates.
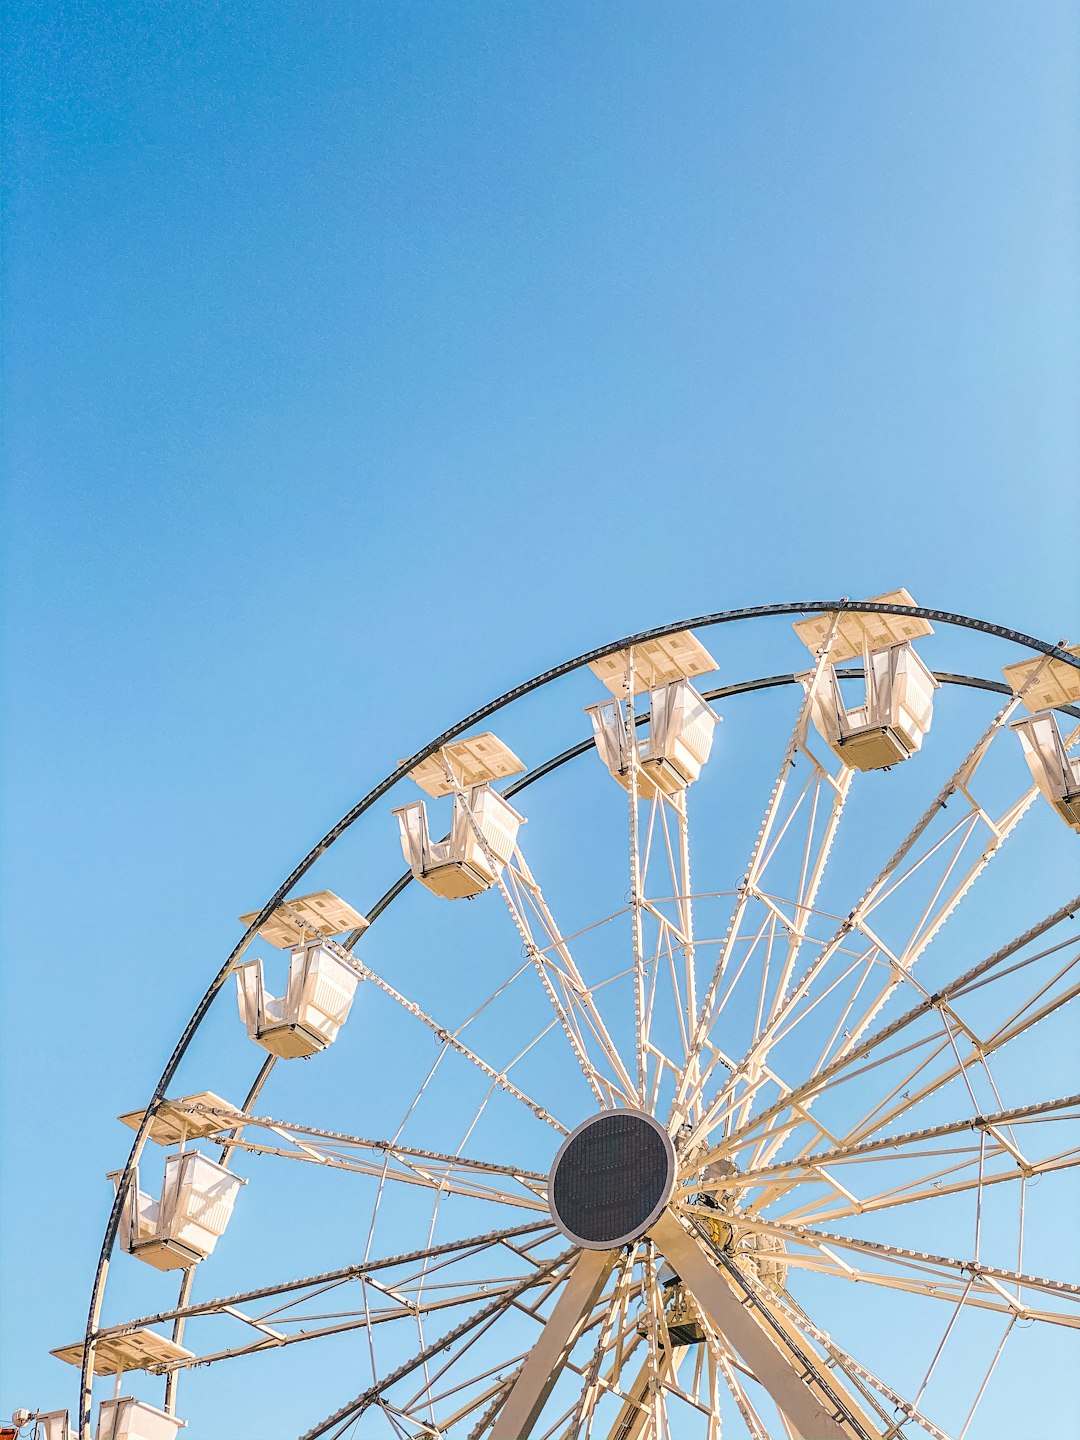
(730, 1103)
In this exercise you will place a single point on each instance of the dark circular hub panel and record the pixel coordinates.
(611, 1179)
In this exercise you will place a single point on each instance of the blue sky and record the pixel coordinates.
(362, 360)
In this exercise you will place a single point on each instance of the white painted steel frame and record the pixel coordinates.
(521, 883)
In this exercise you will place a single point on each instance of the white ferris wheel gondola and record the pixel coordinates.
(1043, 686)
(320, 987)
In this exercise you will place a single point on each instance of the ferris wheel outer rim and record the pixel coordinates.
(756, 612)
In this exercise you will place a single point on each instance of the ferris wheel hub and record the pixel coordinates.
(612, 1178)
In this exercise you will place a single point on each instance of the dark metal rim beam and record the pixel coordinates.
(700, 622)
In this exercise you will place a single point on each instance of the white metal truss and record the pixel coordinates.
(812, 1119)
(858, 957)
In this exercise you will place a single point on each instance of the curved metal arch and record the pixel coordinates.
(751, 612)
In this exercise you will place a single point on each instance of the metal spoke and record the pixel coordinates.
(707, 1018)
(429, 1169)
(795, 1100)
(932, 918)
(498, 1306)
(552, 978)
(898, 1147)
(899, 964)
(470, 1246)
(565, 973)
(938, 1276)
(447, 1037)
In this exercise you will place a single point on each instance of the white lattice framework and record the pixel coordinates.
(827, 1103)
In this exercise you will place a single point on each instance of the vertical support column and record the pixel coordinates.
(795, 1387)
(543, 1366)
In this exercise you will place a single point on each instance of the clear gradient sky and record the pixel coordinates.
(363, 359)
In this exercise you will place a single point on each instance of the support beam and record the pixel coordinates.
(543, 1366)
(793, 1386)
